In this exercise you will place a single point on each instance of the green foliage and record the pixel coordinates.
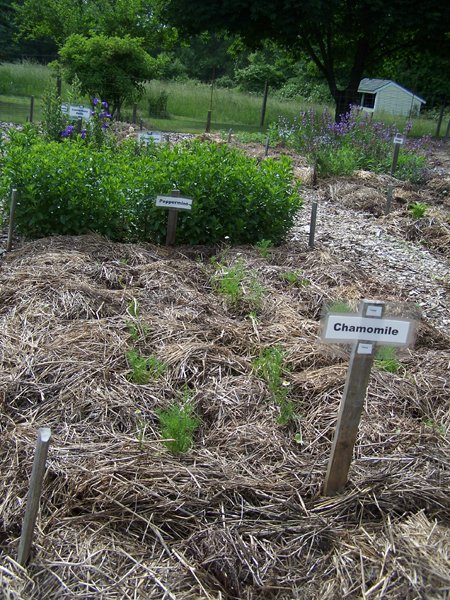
(144, 369)
(294, 278)
(114, 68)
(386, 360)
(157, 105)
(73, 187)
(53, 120)
(339, 306)
(269, 366)
(418, 210)
(239, 287)
(264, 247)
(178, 425)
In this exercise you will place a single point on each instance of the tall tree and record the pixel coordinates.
(346, 40)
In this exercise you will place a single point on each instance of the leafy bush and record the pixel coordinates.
(113, 67)
(356, 142)
(75, 187)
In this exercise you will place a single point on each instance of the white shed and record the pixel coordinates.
(383, 95)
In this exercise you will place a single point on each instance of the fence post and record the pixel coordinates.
(441, 116)
(58, 86)
(134, 118)
(31, 108)
(264, 105)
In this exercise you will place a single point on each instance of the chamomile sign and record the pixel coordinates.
(346, 328)
(365, 330)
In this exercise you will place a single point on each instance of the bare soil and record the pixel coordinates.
(242, 514)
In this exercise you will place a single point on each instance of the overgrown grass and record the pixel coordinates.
(188, 104)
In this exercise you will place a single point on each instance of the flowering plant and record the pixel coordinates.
(95, 128)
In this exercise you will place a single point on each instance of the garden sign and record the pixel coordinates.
(174, 203)
(365, 330)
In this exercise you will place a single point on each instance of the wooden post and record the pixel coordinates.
(395, 158)
(387, 208)
(264, 105)
(230, 133)
(31, 108)
(172, 222)
(312, 227)
(208, 122)
(58, 86)
(266, 147)
(352, 402)
(447, 131)
(441, 116)
(134, 114)
(12, 212)
(34, 495)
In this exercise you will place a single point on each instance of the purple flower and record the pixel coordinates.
(83, 134)
(67, 131)
(105, 104)
(95, 101)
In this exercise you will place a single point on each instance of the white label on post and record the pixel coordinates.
(374, 311)
(346, 328)
(146, 136)
(364, 348)
(398, 139)
(174, 202)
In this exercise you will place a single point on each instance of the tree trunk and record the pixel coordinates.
(344, 100)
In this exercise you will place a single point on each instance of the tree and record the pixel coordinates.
(110, 67)
(59, 19)
(346, 40)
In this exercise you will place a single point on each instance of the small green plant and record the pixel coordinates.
(386, 360)
(340, 306)
(137, 330)
(418, 210)
(178, 424)
(269, 366)
(237, 286)
(264, 247)
(144, 368)
(295, 278)
(133, 308)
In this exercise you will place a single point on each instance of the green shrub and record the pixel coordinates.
(143, 369)
(74, 187)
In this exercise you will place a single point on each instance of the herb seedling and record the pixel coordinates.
(144, 369)
(178, 425)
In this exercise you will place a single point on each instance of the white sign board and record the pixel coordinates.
(344, 328)
(78, 112)
(399, 139)
(174, 202)
(146, 136)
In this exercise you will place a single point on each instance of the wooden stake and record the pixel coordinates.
(31, 108)
(264, 105)
(266, 148)
(350, 410)
(312, 226)
(395, 158)
(172, 222)
(387, 208)
(12, 212)
(34, 494)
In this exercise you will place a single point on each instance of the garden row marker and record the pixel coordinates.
(398, 141)
(146, 136)
(34, 494)
(174, 203)
(365, 329)
(76, 111)
(230, 133)
(12, 212)
(387, 208)
(312, 226)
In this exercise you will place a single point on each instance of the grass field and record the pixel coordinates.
(188, 104)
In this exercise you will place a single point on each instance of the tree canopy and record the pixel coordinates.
(346, 40)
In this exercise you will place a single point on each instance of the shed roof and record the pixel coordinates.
(375, 85)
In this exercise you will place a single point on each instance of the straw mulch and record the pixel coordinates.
(241, 515)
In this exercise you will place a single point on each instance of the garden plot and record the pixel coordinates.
(240, 514)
